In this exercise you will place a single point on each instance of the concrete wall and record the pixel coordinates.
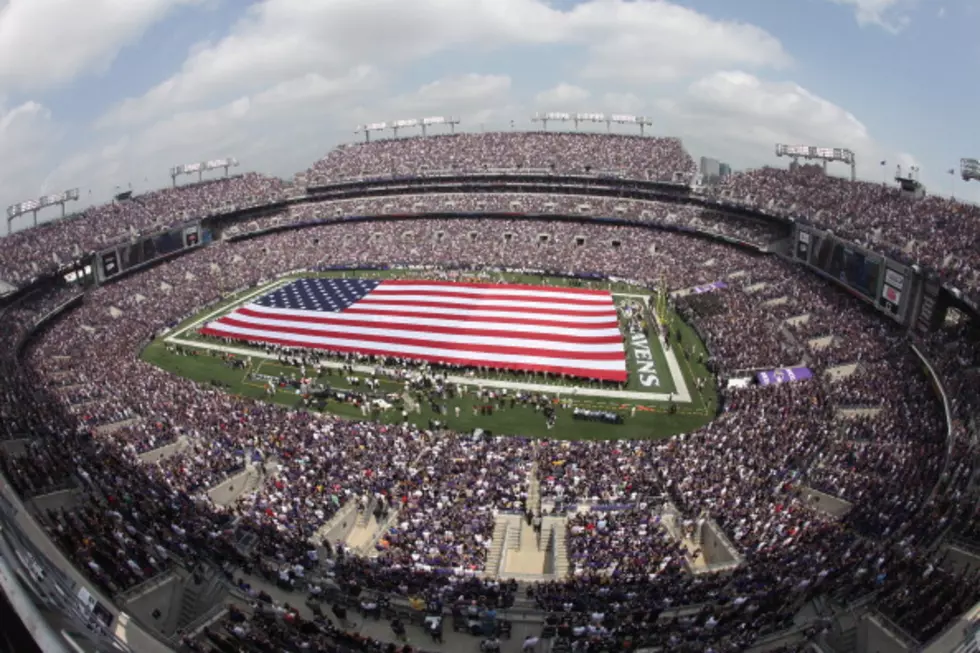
(714, 545)
(874, 637)
(961, 559)
(63, 499)
(826, 503)
(230, 489)
(161, 595)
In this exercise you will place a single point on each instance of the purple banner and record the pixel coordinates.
(784, 375)
(717, 285)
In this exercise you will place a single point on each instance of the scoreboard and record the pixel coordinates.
(880, 281)
(125, 257)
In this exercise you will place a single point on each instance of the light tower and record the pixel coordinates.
(969, 171)
(823, 154)
(553, 116)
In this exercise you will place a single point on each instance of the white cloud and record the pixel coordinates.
(632, 41)
(563, 97)
(657, 41)
(27, 135)
(45, 42)
(891, 15)
(460, 91)
(737, 116)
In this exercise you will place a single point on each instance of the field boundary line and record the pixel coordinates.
(228, 307)
(678, 397)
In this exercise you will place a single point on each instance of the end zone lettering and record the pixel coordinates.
(644, 360)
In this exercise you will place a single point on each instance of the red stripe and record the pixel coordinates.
(366, 306)
(612, 323)
(605, 375)
(455, 331)
(516, 286)
(421, 341)
(380, 292)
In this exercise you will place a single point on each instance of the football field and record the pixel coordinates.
(668, 390)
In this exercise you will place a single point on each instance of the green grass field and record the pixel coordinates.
(651, 419)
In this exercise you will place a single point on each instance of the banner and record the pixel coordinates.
(891, 295)
(784, 375)
(110, 264)
(894, 279)
(191, 237)
(717, 285)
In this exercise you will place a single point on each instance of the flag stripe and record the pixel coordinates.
(509, 317)
(498, 287)
(607, 370)
(449, 302)
(348, 322)
(448, 345)
(562, 331)
(470, 295)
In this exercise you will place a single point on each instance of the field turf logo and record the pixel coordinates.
(646, 367)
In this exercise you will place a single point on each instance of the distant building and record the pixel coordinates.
(710, 168)
(713, 170)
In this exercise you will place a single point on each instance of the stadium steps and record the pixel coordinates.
(167, 450)
(370, 549)
(501, 526)
(533, 490)
(200, 598)
(341, 515)
(559, 527)
(364, 516)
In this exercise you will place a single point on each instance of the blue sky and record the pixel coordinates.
(97, 94)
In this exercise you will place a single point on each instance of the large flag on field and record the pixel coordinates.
(557, 330)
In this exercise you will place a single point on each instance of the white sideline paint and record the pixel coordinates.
(272, 285)
(681, 396)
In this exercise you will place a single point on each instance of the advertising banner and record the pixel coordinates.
(717, 285)
(784, 375)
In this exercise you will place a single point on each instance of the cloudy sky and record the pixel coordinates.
(100, 94)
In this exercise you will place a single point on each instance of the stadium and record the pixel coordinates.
(529, 390)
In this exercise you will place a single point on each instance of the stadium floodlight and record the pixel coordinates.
(439, 120)
(589, 117)
(370, 127)
(824, 154)
(625, 119)
(214, 164)
(552, 116)
(33, 206)
(395, 125)
(970, 169)
(201, 167)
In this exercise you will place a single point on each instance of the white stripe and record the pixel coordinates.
(421, 334)
(486, 303)
(363, 316)
(511, 292)
(411, 350)
(365, 309)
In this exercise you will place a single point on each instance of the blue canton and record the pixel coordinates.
(324, 295)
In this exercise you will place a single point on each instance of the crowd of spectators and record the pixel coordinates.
(934, 231)
(671, 216)
(747, 470)
(30, 253)
(633, 157)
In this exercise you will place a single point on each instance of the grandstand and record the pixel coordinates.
(829, 506)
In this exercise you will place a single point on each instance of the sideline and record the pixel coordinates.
(681, 396)
(272, 285)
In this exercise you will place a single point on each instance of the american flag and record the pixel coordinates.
(568, 331)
